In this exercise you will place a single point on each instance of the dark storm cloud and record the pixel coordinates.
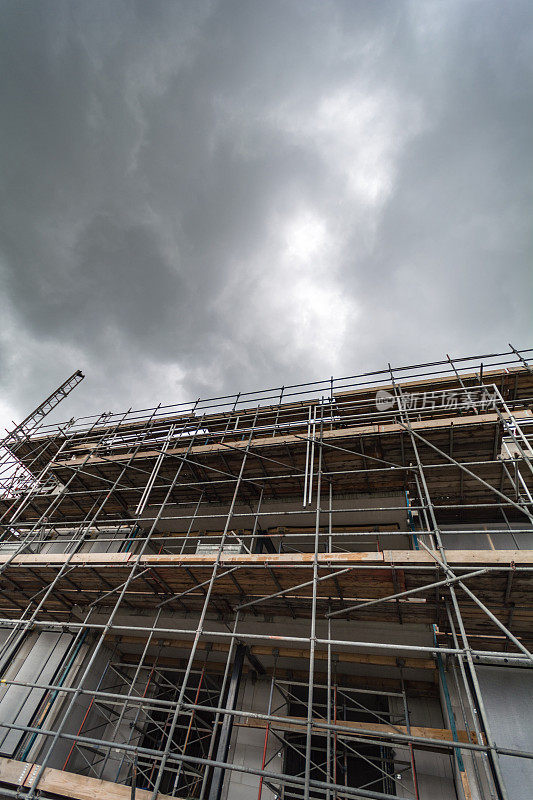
(207, 197)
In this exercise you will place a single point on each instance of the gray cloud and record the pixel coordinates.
(202, 198)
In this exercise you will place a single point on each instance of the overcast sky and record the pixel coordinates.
(206, 197)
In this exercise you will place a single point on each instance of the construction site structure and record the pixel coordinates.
(315, 591)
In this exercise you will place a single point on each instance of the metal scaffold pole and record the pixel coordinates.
(296, 593)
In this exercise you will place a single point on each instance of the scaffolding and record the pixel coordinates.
(289, 593)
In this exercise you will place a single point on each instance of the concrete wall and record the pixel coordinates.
(247, 744)
(507, 694)
(483, 537)
(37, 660)
(94, 721)
(434, 771)
(290, 512)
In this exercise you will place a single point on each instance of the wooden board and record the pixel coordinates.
(476, 558)
(283, 652)
(358, 728)
(68, 784)
(291, 439)
(174, 580)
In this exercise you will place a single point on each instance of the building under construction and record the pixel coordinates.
(315, 591)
